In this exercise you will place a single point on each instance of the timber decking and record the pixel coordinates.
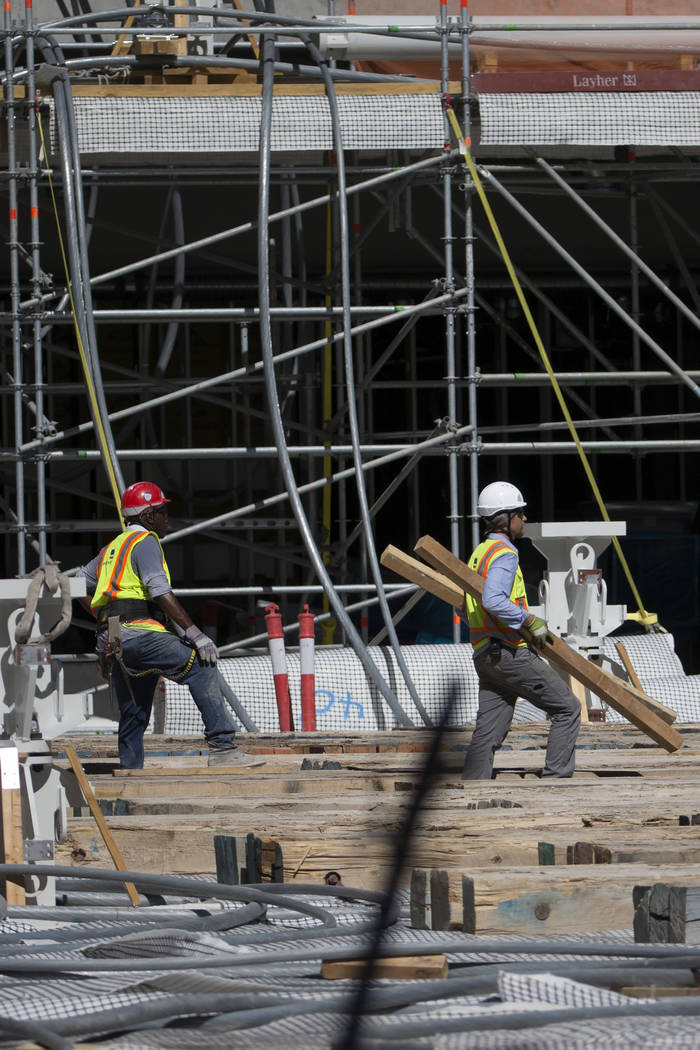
(539, 856)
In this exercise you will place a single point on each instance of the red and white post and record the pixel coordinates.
(275, 641)
(307, 641)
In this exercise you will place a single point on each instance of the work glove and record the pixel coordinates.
(206, 650)
(540, 632)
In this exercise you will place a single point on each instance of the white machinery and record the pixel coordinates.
(573, 594)
(41, 697)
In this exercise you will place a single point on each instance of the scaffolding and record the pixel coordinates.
(351, 395)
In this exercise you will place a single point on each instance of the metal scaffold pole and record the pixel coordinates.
(469, 277)
(449, 285)
(13, 244)
(34, 171)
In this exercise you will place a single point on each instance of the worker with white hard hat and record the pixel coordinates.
(130, 594)
(506, 665)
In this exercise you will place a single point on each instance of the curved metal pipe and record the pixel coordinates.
(76, 242)
(230, 62)
(273, 402)
(351, 399)
(178, 283)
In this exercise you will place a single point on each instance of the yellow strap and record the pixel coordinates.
(643, 617)
(81, 349)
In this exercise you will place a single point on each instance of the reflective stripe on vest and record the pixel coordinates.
(116, 578)
(482, 625)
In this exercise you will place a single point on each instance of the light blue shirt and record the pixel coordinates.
(498, 585)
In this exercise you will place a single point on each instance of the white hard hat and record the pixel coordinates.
(498, 497)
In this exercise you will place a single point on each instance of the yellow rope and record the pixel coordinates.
(102, 438)
(643, 617)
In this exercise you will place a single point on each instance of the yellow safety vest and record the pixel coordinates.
(483, 626)
(116, 577)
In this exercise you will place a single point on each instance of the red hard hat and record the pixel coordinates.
(140, 496)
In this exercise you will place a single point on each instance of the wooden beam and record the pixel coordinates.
(579, 692)
(12, 843)
(627, 664)
(457, 577)
(251, 36)
(398, 968)
(542, 901)
(107, 836)
(123, 44)
(430, 580)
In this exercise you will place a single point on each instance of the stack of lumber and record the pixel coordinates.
(512, 855)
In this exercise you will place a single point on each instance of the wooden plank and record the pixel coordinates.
(12, 843)
(551, 901)
(251, 36)
(418, 896)
(335, 844)
(436, 583)
(627, 664)
(181, 21)
(648, 719)
(398, 968)
(229, 87)
(439, 900)
(107, 836)
(123, 43)
(579, 692)
(226, 857)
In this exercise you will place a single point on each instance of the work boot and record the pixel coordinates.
(232, 757)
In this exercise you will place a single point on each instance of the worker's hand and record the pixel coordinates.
(207, 651)
(540, 631)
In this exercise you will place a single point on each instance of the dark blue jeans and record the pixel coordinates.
(148, 657)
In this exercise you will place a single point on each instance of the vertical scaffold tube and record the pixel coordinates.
(275, 641)
(307, 640)
(10, 105)
(37, 288)
(450, 353)
(470, 282)
(273, 399)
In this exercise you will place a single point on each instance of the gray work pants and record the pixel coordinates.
(506, 673)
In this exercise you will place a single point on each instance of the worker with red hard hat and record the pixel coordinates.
(130, 595)
(506, 665)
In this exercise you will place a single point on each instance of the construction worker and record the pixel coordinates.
(506, 665)
(129, 580)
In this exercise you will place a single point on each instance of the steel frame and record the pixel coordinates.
(35, 317)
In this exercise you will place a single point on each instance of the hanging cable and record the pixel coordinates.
(273, 399)
(648, 619)
(344, 237)
(87, 372)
